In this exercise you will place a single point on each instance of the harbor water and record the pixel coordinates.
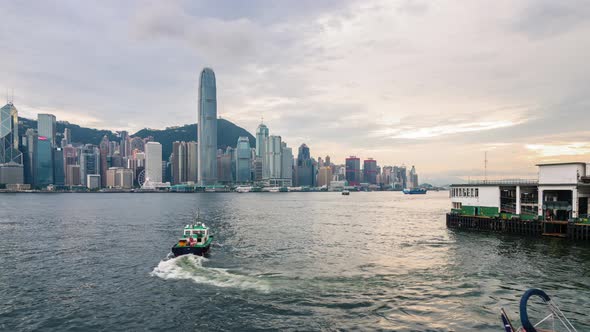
(280, 261)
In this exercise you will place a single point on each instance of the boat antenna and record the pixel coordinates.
(485, 167)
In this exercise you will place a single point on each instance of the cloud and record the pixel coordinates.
(563, 149)
(547, 18)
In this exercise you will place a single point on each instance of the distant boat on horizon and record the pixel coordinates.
(415, 191)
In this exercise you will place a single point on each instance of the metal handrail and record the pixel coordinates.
(504, 181)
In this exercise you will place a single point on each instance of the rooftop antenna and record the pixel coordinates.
(262, 119)
(12, 99)
(485, 166)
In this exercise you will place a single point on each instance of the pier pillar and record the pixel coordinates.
(540, 207)
(575, 203)
(518, 200)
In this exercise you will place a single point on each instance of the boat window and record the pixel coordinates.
(476, 192)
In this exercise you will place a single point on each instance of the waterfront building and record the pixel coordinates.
(192, 161)
(44, 162)
(179, 161)
(153, 162)
(305, 168)
(11, 173)
(89, 162)
(47, 127)
(93, 181)
(257, 167)
(207, 128)
(9, 152)
(413, 179)
(30, 155)
(224, 166)
(353, 171)
(274, 159)
(104, 153)
(324, 176)
(243, 159)
(58, 167)
(262, 149)
(70, 158)
(327, 161)
(400, 177)
(286, 165)
(370, 171)
(73, 175)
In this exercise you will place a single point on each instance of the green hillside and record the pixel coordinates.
(227, 134)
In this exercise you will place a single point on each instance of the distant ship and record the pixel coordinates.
(415, 191)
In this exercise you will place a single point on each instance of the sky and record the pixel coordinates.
(436, 84)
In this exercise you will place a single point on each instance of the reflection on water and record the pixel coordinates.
(281, 261)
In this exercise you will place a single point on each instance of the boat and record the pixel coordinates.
(345, 192)
(195, 240)
(555, 314)
(414, 191)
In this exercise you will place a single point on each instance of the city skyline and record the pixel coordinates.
(504, 79)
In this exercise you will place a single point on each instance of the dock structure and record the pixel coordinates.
(554, 204)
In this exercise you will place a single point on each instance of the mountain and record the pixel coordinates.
(227, 134)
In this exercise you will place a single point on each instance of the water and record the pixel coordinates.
(297, 261)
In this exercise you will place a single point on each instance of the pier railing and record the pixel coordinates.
(504, 182)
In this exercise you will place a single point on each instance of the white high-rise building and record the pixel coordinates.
(274, 157)
(153, 162)
(286, 164)
(262, 149)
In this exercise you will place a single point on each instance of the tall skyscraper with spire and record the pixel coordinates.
(207, 128)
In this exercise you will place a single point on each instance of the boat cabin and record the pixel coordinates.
(198, 233)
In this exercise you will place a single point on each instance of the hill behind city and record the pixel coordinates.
(227, 134)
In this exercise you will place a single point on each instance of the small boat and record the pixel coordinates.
(415, 191)
(345, 192)
(555, 314)
(195, 240)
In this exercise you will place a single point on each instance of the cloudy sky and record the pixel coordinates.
(428, 83)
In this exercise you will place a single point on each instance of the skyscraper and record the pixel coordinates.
(353, 171)
(193, 161)
(46, 126)
(67, 136)
(30, 157)
(207, 128)
(153, 162)
(274, 158)
(286, 165)
(305, 168)
(44, 157)
(89, 163)
(262, 149)
(9, 152)
(59, 173)
(413, 181)
(324, 176)
(243, 160)
(104, 153)
(370, 171)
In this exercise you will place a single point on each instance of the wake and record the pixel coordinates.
(190, 267)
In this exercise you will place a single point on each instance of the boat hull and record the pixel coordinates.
(414, 191)
(199, 251)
